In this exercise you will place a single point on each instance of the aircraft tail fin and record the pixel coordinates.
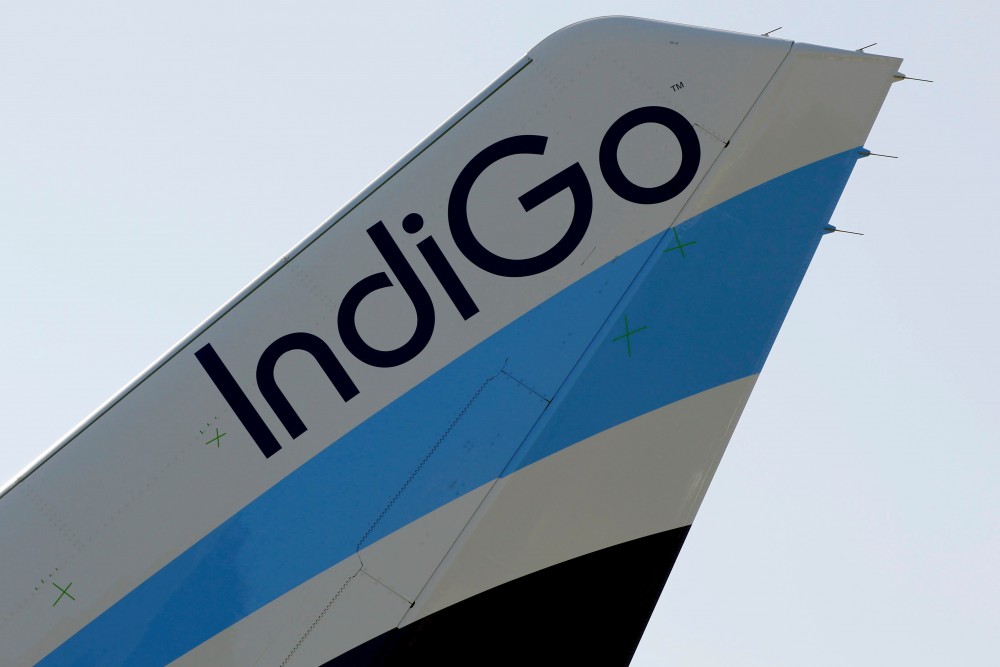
(506, 370)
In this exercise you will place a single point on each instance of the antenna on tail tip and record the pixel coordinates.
(899, 76)
(829, 229)
(868, 153)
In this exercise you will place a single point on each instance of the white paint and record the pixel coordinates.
(642, 477)
(798, 121)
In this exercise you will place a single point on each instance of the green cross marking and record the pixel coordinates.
(680, 246)
(627, 336)
(217, 439)
(62, 592)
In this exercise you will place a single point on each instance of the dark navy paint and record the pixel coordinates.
(544, 618)
(571, 179)
(690, 155)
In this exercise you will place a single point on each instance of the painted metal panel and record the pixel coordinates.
(643, 477)
(619, 485)
(449, 327)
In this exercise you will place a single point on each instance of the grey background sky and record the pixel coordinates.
(155, 157)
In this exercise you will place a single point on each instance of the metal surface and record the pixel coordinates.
(408, 411)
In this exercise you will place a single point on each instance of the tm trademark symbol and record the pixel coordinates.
(677, 86)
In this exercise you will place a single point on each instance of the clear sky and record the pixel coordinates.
(155, 157)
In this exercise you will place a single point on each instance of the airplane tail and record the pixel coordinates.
(474, 414)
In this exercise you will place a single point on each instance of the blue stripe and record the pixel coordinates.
(710, 314)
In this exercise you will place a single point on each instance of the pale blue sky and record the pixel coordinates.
(154, 159)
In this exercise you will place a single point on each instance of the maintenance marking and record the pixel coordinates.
(217, 439)
(628, 336)
(680, 246)
(63, 592)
